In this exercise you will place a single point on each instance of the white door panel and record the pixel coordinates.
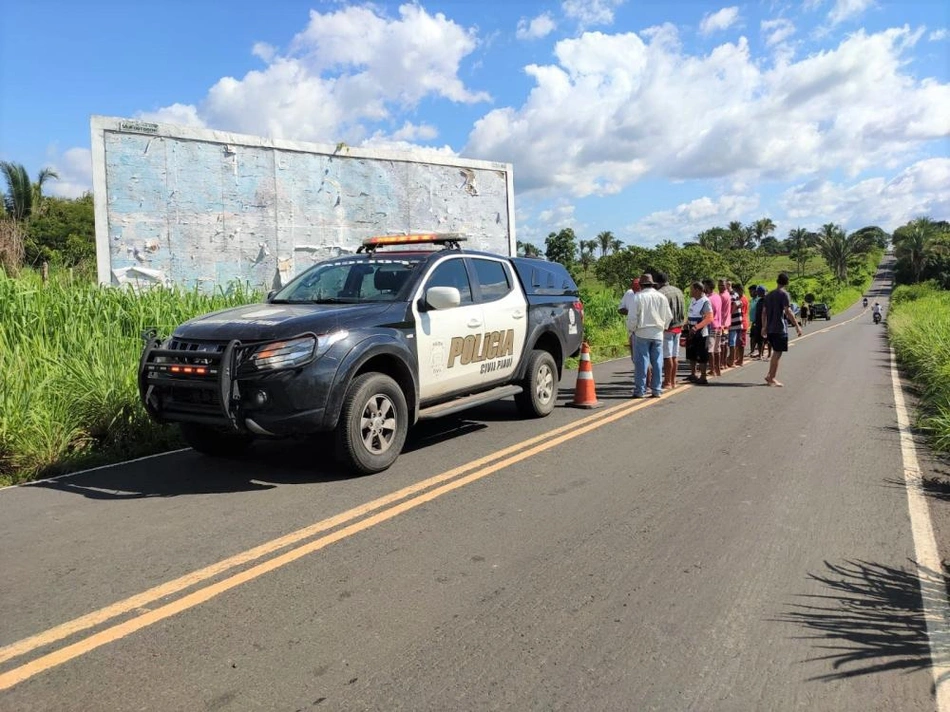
(505, 322)
(448, 340)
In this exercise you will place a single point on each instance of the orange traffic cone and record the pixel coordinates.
(584, 394)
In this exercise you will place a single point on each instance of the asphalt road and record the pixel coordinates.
(730, 547)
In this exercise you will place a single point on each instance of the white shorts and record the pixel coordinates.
(671, 345)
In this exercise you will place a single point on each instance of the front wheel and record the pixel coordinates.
(373, 424)
(216, 442)
(540, 386)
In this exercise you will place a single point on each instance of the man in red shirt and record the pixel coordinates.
(725, 316)
(712, 341)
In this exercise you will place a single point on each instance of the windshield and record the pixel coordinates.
(350, 281)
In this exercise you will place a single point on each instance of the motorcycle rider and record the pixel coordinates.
(876, 312)
(865, 302)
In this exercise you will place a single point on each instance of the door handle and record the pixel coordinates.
(474, 324)
(517, 314)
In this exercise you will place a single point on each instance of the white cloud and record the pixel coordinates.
(777, 30)
(922, 188)
(615, 108)
(74, 167)
(938, 35)
(717, 21)
(540, 26)
(536, 219)
(405, 138)
(591, 12)
(346, 71)
(685, 221)
(848, 9)
(182, 114)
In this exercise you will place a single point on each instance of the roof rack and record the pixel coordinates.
(450, 241)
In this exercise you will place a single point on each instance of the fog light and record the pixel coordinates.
(258, 399)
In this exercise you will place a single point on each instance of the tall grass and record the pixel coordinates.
(68, 360)
(918, 326)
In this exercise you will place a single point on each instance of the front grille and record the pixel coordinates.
(192, 351)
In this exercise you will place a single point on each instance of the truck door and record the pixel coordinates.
(448, 340)
(506, 317)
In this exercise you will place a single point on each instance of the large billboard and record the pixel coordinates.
(201, 209)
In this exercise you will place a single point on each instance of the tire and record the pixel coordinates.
(540, 386)
(373, 424)
(215, 442)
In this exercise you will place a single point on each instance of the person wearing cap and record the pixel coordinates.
(647, 320)
(627, 303)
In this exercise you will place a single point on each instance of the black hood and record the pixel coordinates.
(259, 322)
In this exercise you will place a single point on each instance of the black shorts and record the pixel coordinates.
(778, 342)
(696, 348)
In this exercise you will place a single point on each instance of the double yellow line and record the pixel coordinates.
(356, 520)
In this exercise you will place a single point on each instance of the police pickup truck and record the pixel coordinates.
(365, 345)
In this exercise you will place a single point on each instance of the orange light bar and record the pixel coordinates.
(409, 239)
(196, 370)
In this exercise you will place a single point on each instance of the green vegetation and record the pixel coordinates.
(918, 326)
(830, 266)
(69, 353)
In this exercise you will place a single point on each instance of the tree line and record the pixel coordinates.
(36, 228)
(742, 251)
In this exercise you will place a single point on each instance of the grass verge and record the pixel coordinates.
(69, 353)
(918, 327)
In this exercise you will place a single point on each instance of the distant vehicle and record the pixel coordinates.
(365, 345)
(820, 310)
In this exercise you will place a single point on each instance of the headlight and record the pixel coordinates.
(293, 352)
(284, 354)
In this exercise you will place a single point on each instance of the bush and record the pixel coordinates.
(919, 330)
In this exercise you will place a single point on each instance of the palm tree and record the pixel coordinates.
(839, 249)
(22, 196)
(616, 245)
(527, 249)
(44, 175)
(605, 239)
(761, 229)
(799, 248)
(587, 248)
(917, 242)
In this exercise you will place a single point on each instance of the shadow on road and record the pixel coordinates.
(263, 467)
(869, 619)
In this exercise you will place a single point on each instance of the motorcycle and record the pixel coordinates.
(877, 317)
(865, 302)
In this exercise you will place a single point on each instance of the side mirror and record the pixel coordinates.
(270, 295)
(443, 297)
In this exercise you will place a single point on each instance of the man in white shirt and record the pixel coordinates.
(649, 317)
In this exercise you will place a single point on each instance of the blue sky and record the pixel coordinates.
(652, 120)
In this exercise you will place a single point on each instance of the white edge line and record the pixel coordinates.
(933, 593)
(96, 469)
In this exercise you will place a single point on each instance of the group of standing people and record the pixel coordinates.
(716, 326)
